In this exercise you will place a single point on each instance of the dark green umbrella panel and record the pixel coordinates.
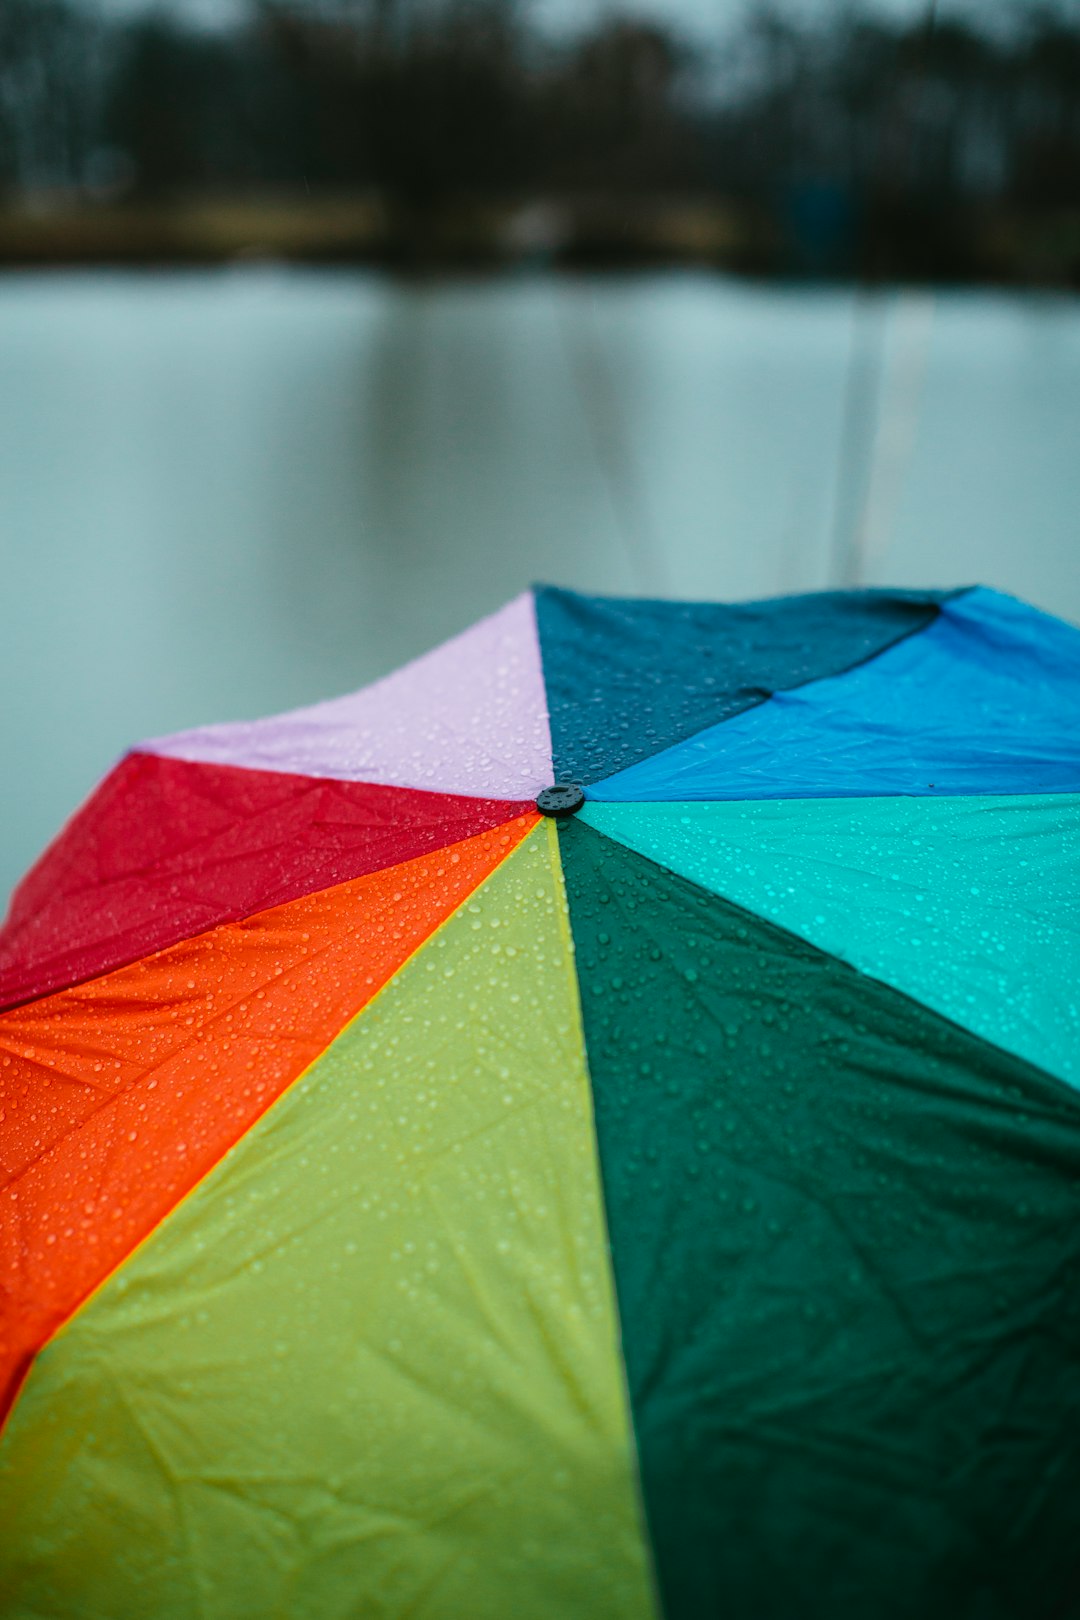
(585, 1127)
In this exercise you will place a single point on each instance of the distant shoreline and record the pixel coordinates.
(996, 245)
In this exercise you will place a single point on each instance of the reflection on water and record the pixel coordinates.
(226, 493)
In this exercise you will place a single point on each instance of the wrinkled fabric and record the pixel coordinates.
(846, 1241)
(470, 717)
(371, 1365)
(120, 1094)
(302, 1219)
(627, 678)
(985, 700)
(165, 849)
(971, 905)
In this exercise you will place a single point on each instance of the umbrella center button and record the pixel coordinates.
(564, 799)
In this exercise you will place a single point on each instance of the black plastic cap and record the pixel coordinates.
(564, 799)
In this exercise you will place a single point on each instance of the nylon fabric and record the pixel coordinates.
(370, 1366)
(119, 1095)
(971, 905)
(165, 849)
(469, 717)
(985, 700)
(627, 678)
(846, 1243)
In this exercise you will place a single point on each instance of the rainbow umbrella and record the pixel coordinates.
(663, 1196)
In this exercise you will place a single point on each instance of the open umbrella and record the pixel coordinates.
(584, 1127)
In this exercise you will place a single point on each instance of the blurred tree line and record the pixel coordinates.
(853, 142)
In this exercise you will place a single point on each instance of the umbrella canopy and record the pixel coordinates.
(583, 1127)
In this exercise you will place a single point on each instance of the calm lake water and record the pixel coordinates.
(225, 493)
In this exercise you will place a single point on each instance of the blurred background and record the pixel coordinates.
(327, 327)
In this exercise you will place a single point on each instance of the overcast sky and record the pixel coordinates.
(703, 19)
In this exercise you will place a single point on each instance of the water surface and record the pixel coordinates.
(225, 493)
